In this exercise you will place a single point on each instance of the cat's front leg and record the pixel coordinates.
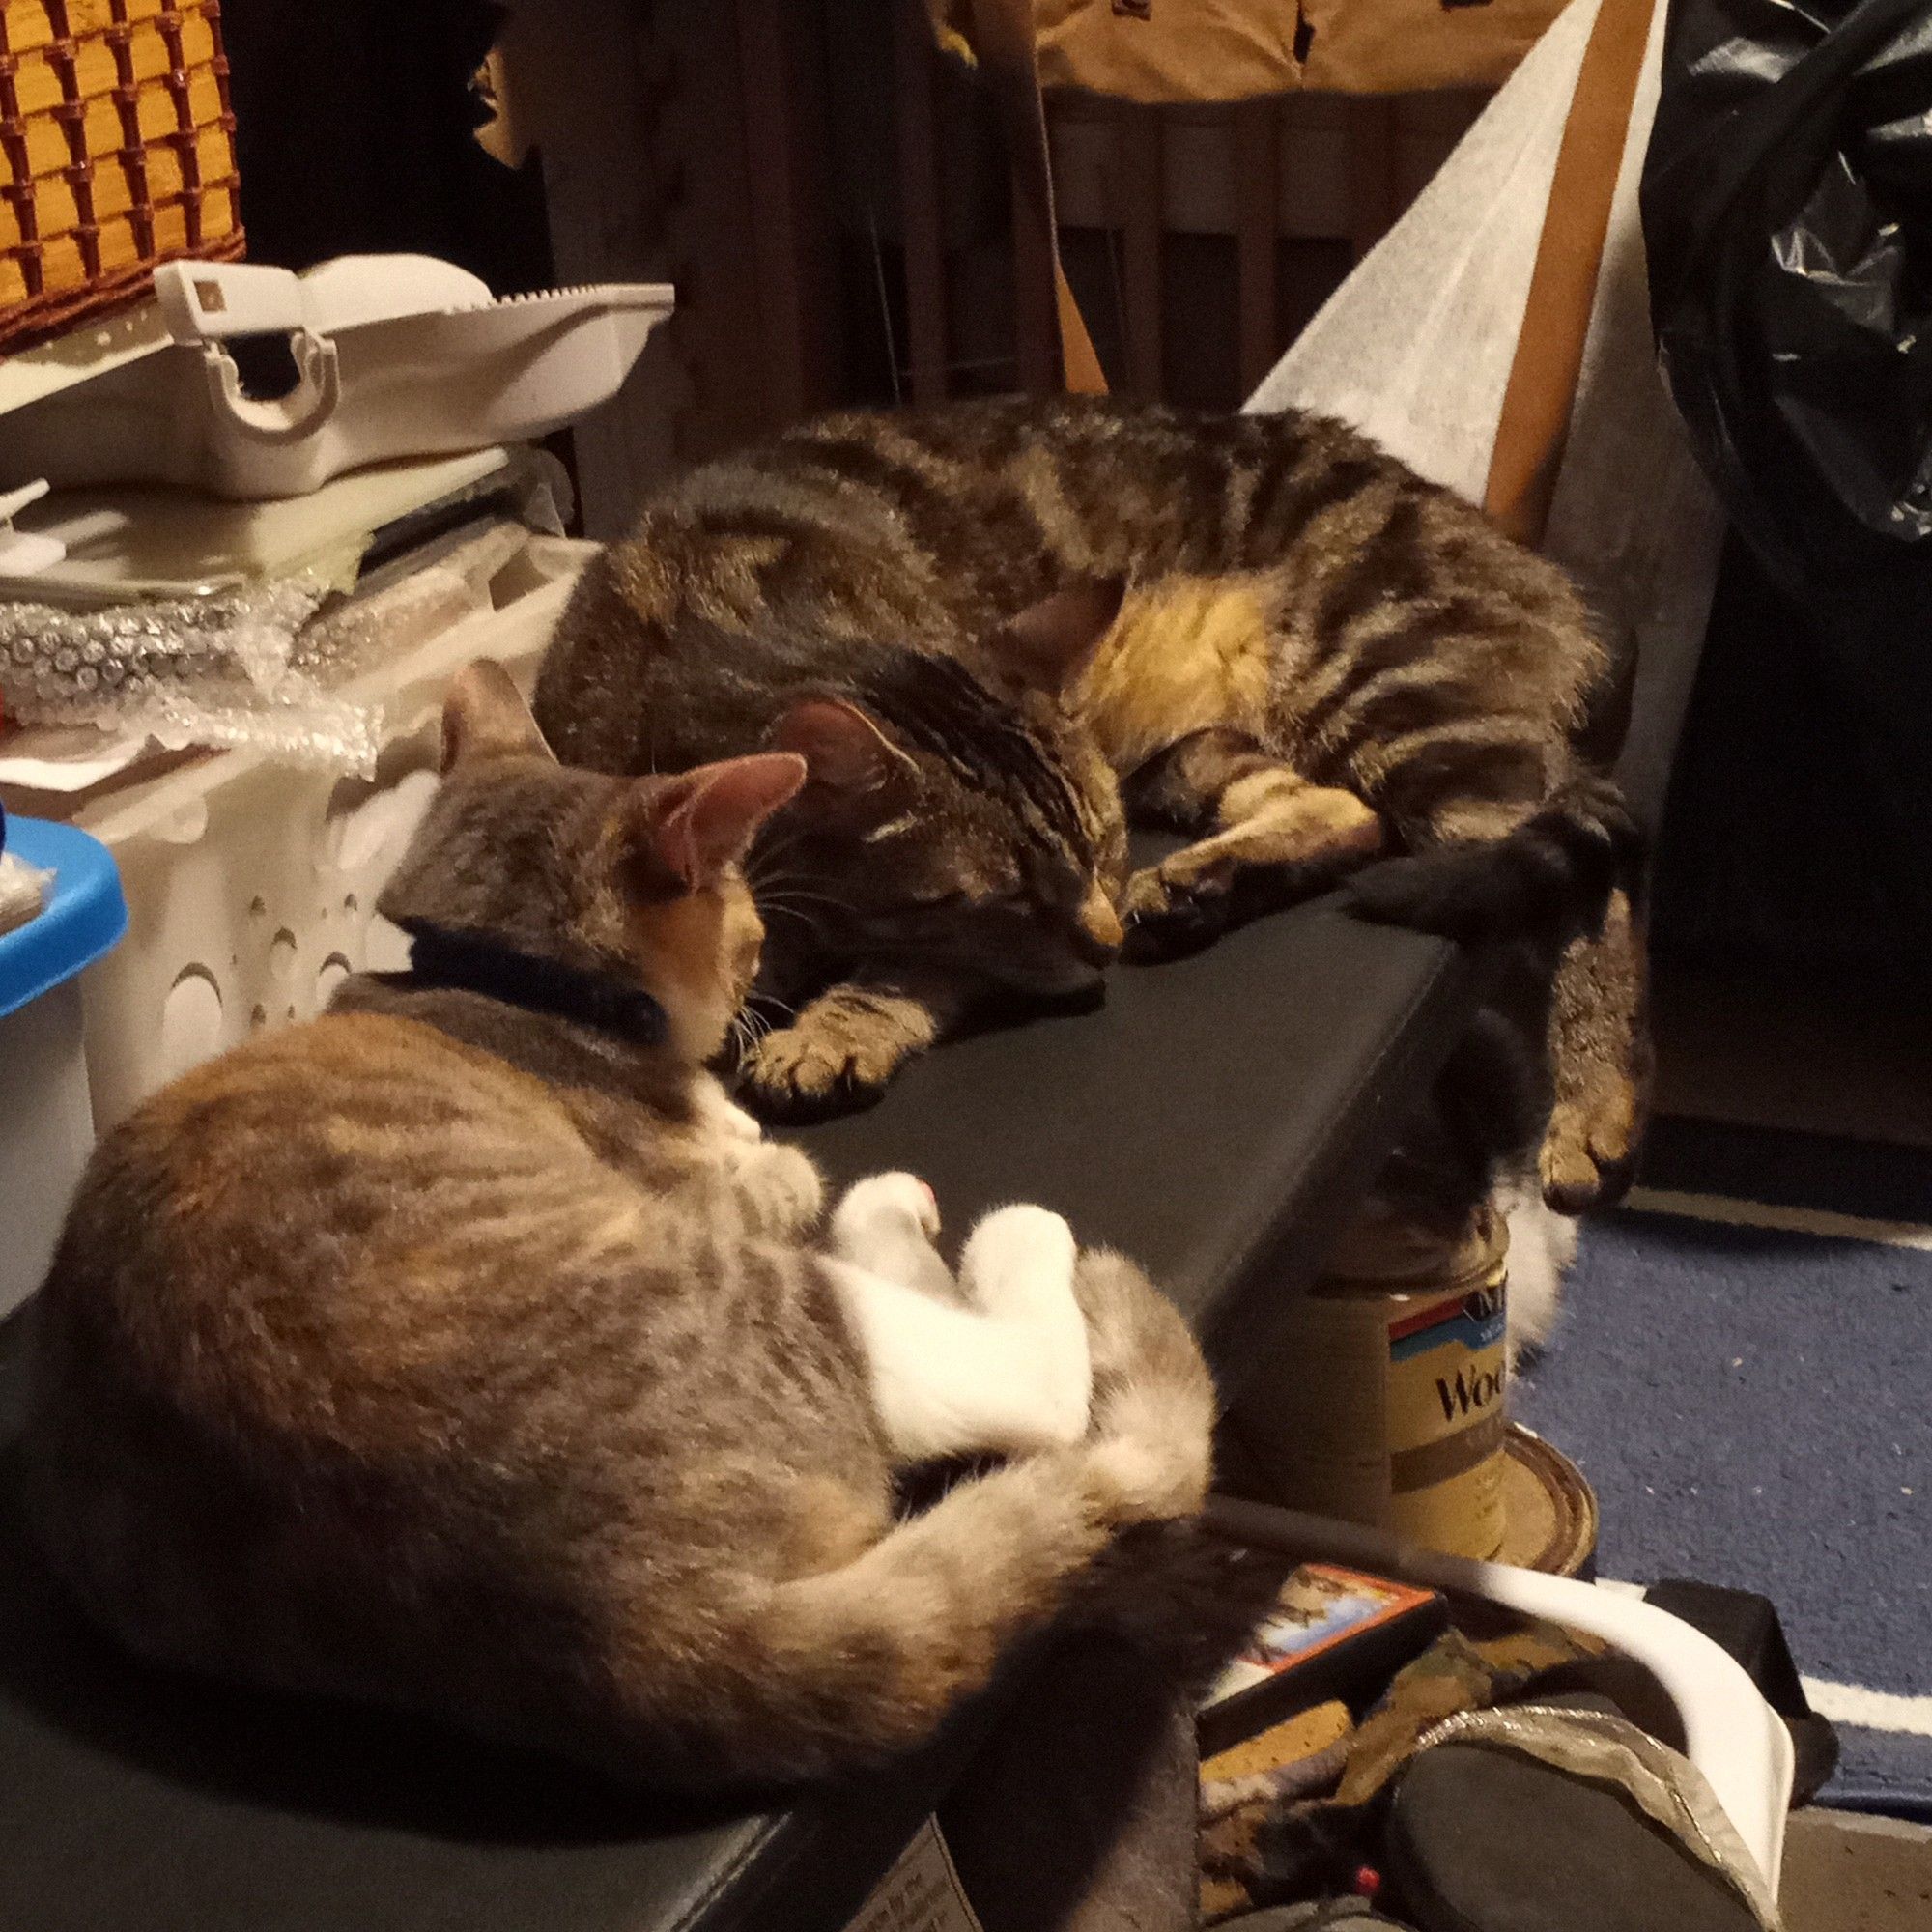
(782, 1191)
(778, 1188)
(1004, 1371)
(844, 1045)
(719, 1114)
(1602, 1062)
(1264, 835)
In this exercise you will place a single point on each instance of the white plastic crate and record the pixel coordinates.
(46, 1127)
(45, 1132)
(252, 885)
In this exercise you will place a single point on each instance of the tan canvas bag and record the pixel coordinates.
(1170, 50)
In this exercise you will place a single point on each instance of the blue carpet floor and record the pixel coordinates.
(1753, 1407)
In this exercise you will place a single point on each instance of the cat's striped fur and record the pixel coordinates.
(472, 1358)
(1260, 631)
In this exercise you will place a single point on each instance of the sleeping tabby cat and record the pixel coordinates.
(998, 631)
(468, 1351)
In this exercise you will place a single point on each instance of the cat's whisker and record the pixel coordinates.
(812, 924)
(776, 850)
(817, 905)
(781, 882)
(803, 895)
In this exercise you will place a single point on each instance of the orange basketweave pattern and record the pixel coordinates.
(116, 152)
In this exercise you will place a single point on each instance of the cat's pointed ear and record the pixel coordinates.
(1048, 644)
(855, 770)
(696, 824)
(485, 717)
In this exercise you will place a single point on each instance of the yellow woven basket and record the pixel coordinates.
(116, 152)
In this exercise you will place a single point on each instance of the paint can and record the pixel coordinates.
(1549, 1507)
(1403, 1406)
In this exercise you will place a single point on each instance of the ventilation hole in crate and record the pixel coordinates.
(191, 1020)
(334, 970)
(258, 907)
(258, 1016)
(184, 826)
(282, 955)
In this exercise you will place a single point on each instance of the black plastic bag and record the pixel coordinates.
(1787, 212)
(1787, 216)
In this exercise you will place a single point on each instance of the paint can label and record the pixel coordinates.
(1401, 1421)
(1446, 1409)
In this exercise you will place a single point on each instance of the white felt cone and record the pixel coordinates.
(1416, 347)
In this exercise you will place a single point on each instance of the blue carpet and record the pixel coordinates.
(1754, 1407)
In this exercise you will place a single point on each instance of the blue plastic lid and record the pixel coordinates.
(83, 918)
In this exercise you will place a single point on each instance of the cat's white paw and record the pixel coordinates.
(888, 1223)
(1019, 1261)
(1018, 1268)
(890, 1204)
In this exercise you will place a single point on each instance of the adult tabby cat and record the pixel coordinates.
(1000, 630)
(466, 1350)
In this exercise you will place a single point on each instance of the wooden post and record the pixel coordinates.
(1140, 177)
(919, 209)
(1036, 311)
(778, 49)
(1257, 191)
(1052, 346)
(1534, 425)
(1375, 195)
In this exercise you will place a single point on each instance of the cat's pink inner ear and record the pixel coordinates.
(844, 749)
(484, 716)
(711, 815)
(1049, 643)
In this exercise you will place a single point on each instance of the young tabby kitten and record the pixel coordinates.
(997, 628)
(466, 1350)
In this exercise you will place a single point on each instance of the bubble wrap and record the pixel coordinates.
(227, 670)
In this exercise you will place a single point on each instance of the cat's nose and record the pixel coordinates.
(1097, 933)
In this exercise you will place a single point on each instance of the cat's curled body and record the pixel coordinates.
(1001, 631)
(466, 1350)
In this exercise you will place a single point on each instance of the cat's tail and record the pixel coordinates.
(835, 1669)
(1555, 870)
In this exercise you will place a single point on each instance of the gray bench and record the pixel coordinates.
(1215, 1119)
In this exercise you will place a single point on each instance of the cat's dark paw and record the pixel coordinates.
(804, 1072)
(1167, 913)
